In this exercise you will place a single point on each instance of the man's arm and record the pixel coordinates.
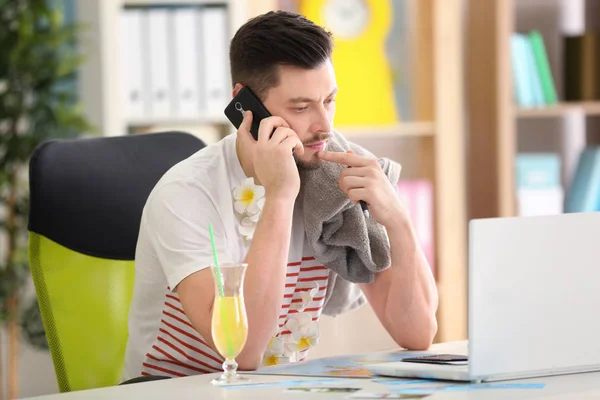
(404, 296)
(263, 286)
(273, 165)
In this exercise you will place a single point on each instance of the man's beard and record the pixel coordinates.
(315, 162)
(308, 165)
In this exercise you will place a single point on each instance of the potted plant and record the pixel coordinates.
(38, 64)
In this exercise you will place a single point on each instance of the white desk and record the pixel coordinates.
(571, 387)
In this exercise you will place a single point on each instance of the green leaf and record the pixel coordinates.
(39, 61)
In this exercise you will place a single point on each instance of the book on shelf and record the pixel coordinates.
(532, 77)
(174, 62)
(539, 189)
(582, 67)
(583, 194)
(543, 67)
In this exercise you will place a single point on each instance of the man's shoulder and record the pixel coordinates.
(197, 179)
(201, 170)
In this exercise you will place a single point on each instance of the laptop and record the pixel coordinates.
(534, 301)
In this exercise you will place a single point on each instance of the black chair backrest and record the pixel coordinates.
(97, 188)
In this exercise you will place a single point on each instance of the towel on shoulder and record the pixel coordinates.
(341, 237)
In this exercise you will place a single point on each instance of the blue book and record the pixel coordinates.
(523, 95)
(538, 171)
(584, 192)
(532, 73)
(524, 72)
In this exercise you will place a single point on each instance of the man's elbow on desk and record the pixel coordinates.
(416, 337)
(249, 362)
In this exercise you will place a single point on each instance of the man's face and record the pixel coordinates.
(306, 100)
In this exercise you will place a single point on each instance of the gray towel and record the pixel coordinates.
(342, 239)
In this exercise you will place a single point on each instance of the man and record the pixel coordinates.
(286, 60)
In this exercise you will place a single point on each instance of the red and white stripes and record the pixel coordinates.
(179, 350)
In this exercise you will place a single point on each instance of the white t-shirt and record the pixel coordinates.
(174, 242)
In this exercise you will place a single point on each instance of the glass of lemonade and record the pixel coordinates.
(229, 322)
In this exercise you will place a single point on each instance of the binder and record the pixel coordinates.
(217, 89)
(132, 61)
(187, 62)
(158, 34)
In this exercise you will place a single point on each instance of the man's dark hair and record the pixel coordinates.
(273, 39)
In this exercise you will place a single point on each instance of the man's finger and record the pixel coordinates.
(351, 160)
(268, 125)
(294, 144)
(352, 182)
(279, 135)
(356, 171)
(246, 125)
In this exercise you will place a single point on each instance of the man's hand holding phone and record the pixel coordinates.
(272, 155)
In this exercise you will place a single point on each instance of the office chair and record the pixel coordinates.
(86, 201)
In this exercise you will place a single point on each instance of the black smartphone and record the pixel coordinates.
(444, 359)
(246, 100)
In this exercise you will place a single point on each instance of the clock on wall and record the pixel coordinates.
(360, 29)
(347, 19)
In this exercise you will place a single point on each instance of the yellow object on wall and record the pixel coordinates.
(364, 77)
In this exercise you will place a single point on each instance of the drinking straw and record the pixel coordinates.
(219, 283)
(216, 258)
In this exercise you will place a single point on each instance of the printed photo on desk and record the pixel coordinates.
(345, 366)
(367, 395)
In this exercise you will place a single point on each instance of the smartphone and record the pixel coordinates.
(246, 100)
(444, 359)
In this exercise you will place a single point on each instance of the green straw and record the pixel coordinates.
(219, 282)
(216, 258)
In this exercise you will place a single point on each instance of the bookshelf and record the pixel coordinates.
(433, 141)
(586, 108)
(499, 129)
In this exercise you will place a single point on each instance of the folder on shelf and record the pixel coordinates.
(217, 90)
(187, 62)
(584, 192)
(133, 75)
(539, 189)
(159, 60)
